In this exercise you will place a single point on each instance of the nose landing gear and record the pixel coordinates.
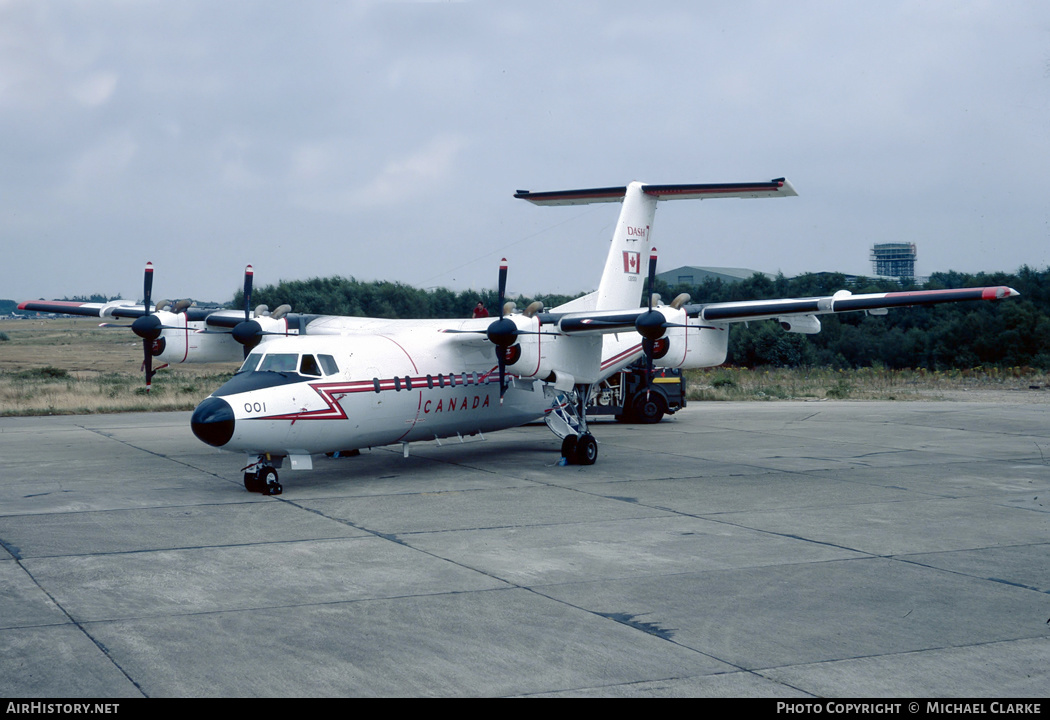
(262, 478)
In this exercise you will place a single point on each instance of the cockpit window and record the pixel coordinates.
(328, 364)
(309, 366)
(314, 366)
(250, 362)
(279, 362)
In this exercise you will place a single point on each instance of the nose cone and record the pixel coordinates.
(213, 421)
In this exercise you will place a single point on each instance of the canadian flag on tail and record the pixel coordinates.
(631, 262)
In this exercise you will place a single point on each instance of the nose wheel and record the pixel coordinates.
(263, 481)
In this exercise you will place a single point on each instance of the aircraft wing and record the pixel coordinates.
(116, 308)
(842, 301)
(128, 309)
(594, 322)
(615, 321)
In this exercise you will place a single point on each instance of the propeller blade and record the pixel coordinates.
(649, 347)
(501, 361)
(250, 334)
(652, 275)
(248, 274)
(651, 326)
(146, 329)
(502, 285)
(147, 286)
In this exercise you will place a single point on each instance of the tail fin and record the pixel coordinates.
(624, 279)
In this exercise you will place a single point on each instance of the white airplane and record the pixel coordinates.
(326, 385)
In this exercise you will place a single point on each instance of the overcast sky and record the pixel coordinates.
(385, 141)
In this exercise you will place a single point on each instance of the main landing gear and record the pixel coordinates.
(568, 420)
(262, 478)
(579, 449)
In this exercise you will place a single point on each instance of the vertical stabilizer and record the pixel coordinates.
(623, 279)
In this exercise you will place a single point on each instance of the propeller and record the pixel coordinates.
(248, 332)
(503, 332)
(652, 325)
(147, 326)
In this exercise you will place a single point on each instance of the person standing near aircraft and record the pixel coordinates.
(480, 311)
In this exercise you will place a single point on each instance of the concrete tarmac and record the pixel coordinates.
(787, 549)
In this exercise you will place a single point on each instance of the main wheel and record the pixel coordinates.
(568, 448)
(586, 450)
(649, 410)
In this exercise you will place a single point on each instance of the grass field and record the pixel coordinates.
(978, 384)
(71, 366)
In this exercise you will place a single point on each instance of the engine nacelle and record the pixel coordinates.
(532, 355)
(185, 341)
(697, 346)
(807, 324)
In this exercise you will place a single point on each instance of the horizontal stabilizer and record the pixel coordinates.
(779, 187)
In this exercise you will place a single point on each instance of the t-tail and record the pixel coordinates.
(623, 279)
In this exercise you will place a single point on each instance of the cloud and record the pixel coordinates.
(326, 176)
(405, 178)
(95, 90)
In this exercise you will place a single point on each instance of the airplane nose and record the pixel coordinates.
(213, 421)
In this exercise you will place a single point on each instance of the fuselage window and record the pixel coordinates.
(328, 364)
(408, 382)
(309, 366)
(430, 381)
(397, 383)
(279, 362)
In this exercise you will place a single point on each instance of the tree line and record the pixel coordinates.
(1010, 333)
(382, 299)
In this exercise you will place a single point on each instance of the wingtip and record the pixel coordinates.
(998, 293)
